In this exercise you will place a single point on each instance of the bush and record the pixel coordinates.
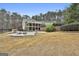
(50, 28)
(70, 27)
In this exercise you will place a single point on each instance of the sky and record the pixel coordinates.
(32, 8)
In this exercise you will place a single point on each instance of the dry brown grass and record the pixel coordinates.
(54, 43)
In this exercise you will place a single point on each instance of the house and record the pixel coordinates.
(33, 25)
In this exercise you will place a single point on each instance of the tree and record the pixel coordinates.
(49, 16)
(71, 14)
(3, 19)
(3, 10)
(16, 21)
(25, 16)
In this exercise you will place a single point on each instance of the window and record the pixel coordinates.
(33, 29)
(30, 24)
(33, 24)
(30, 28)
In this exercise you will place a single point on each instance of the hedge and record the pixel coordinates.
(70, 27)
(58, 24)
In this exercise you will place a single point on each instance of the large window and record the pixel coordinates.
(30, 28)
(30, 24)
(34, 24)
(33, 29)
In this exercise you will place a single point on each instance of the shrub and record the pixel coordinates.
(70, 27)
(50, 28)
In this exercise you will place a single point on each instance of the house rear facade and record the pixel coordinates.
(33, 25)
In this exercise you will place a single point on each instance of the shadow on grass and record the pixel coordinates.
(3, 54)
(69, 31)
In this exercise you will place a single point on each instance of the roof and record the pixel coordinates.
(29, 20)
(32, 21)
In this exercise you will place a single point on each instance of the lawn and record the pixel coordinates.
(51, 44)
